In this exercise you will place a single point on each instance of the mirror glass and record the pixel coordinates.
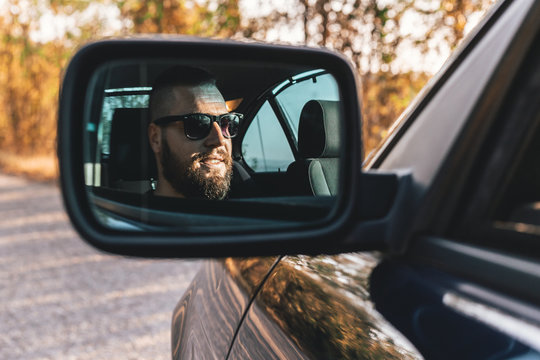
(210, 146)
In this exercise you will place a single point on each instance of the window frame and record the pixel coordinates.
(270, 96)
(248, 126)
(499, 159)
(452, 231)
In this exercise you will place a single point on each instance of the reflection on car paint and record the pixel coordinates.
(319, 307)
(206, 318)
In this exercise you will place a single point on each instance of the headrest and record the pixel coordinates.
(131, 157)
(318, 130)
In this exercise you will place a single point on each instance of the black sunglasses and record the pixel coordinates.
(198, 126)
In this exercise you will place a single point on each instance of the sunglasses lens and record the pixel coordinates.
(197, 126)
(229, 125)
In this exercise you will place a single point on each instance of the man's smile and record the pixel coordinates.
(212, 161)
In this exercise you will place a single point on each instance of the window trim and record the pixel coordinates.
(251, 122)
(498, 161)
(270, 96)
(287, 130)
(515, 276)
(278, 110)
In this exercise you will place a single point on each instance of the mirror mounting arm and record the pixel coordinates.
(385, 211)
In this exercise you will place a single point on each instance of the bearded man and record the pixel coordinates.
(190, 133)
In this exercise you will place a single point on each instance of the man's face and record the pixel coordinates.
(192, 168)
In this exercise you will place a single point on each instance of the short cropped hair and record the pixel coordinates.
(177, 76)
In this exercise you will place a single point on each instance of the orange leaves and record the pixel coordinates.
(385, 96)
(216, 18)
(30, 83)
(368, 31)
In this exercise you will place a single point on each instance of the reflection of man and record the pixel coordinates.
(190, 133)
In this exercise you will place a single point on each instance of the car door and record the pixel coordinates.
(206, 319)
(319, 308)
(467, 287)
(476, 269)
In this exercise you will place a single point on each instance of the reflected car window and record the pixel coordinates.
(265, 147)
(293, 98)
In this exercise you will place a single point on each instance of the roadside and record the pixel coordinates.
(62, 299)
(38, 168)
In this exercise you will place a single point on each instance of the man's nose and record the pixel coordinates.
(215, 138)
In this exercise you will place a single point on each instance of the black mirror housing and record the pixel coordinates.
(261, 226)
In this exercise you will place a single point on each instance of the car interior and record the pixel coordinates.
(120, 165)
(316, 171)
(520, 203)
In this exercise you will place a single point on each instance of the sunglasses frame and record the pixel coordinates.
(214, 118)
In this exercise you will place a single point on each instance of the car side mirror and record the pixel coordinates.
(144, 148)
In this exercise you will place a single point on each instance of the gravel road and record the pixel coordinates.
(61, 299)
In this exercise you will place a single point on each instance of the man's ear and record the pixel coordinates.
(154, 137)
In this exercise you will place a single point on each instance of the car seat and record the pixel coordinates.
(317, 170)
(131, 162)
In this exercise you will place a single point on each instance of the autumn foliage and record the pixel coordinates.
(367, 31)
(29, 79)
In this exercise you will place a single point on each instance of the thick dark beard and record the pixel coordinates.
(190, 182)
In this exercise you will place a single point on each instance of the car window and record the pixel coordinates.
(521, 200)
(290, 96)
(265, 147)
(114, 99)
(516, 208)
(506, 209)
(293, 98)
(110, 104)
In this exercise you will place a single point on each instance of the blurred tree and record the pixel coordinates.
(29, 80)
(219, 18)
(156, 16)
(385, 96)
(31, 71)
(370, 32)
(452, 16)
(372, 35)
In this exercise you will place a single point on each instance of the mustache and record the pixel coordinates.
(207, 155)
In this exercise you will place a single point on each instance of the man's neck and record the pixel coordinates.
(163, 188)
